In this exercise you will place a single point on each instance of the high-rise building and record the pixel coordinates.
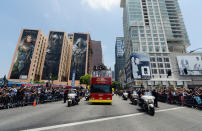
(153, 26)
(58, 58)
(119, 56)
(175, 31)
(152, 29)
(29, 55)
(81, 56)
(96, 53)
(113, 76)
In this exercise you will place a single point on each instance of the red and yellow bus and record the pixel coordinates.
(101, 87)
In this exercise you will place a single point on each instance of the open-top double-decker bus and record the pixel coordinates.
(101, 87)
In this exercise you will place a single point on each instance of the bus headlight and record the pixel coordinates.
(108, 98)
(92, 98)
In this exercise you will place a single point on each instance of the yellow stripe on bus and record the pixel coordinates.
(100, 101)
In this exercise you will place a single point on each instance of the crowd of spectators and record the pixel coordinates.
(191, 97)
(181, 96)
(21, 96)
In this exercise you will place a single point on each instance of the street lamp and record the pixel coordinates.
(195, 50)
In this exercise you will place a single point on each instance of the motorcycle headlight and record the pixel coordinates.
(150, 101)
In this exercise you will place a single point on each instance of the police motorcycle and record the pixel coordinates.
(125, 95)
(73, 98)
(146, 102)
(134, 98)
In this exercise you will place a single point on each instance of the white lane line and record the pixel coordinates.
(95, 120)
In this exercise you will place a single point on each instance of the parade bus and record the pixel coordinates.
(101, 87)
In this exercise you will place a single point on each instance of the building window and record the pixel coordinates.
(166, 59)
(168, 70)
(160, 65)
(152, 59)
(164, 49)
(144, 48)
(159, 59)
(154, 71)
(153, 65)
(157, 48)
(161, 71)
(150, 48)
(167, 65)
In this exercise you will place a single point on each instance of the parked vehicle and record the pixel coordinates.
(146, 102)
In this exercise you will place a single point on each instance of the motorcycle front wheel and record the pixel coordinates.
(68, 103)
(152, 111)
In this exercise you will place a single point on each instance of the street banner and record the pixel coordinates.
(73, 77)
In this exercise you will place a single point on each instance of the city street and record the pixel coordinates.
(120, 116)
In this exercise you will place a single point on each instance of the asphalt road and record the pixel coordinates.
(120, 116)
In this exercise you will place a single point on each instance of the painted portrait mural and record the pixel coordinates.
(25, 51)
(79, 51)
(53, 55)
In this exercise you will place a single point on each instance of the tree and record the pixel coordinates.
(39, 82)
(85, 79)
(116, 85)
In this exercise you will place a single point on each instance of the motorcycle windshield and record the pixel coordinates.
(148, 93)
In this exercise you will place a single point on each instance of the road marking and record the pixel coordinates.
(95, 120)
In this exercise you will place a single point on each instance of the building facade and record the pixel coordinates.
(119, 57)
(152, 30)
(29, 55)
(192, 62)
(58, 57)
(96, 53)
(81, 62)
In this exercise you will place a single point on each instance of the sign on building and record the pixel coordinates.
(140, 66)
(191, 64)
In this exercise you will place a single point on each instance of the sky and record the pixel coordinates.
(101, 18)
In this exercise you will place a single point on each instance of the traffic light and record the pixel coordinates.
(169, 73)
(99, 68)
(185, 71)
(47, 84)
(95, 68)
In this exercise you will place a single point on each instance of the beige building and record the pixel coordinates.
(81, 61)
(56, 67)
(52, 59)
(29, 55)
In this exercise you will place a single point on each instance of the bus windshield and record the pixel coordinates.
(101, 89)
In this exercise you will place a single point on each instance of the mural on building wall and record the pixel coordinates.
(25, 51)
(79, 51)
(140, 66)
(53, 55)
(192, 64)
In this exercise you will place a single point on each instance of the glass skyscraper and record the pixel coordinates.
(119, 56)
